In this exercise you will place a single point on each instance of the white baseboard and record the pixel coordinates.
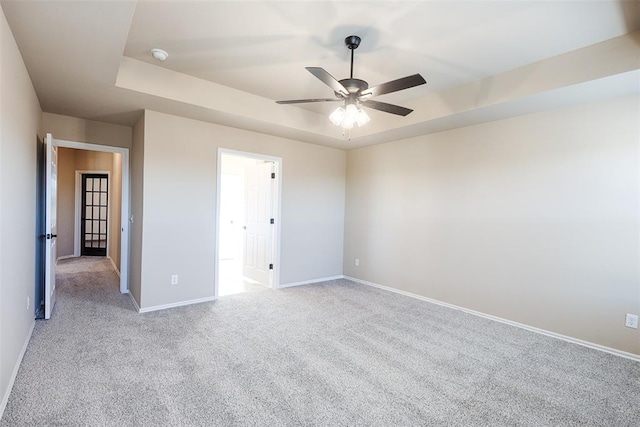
(566, 338)
(114, 266)
(175, 304)
(65, 257)
(16, 367)
(135, 303)
(309, 282)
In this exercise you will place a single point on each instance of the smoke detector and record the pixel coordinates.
(159, 54)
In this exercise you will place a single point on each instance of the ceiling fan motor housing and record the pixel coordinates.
(352, 42)
(354, 86)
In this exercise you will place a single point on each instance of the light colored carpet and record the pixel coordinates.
(335, 353)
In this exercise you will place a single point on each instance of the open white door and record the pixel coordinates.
(258, 244)
(51, 159)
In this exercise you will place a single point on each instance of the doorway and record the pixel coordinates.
(108, 235)
(247, 222)
(54, 196)
(94, 214)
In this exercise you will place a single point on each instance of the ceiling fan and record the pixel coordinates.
(356, 92)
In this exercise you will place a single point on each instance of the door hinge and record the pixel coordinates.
(270, 266)
(273, 221)
(273, 175)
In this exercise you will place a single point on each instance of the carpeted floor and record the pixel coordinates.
(335, 353)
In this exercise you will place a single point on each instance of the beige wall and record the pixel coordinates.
(66, 201)
(180, 201)
(137, 185)
(19, 123)
(533, 219)
(72, 160)
(115, 208)
(82, 130)
(94, 160)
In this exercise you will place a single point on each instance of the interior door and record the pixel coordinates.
(94, 214)
(258, 229)
(51, 190)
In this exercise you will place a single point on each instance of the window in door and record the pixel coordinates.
(95, 190)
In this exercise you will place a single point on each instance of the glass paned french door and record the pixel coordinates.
(95, 191)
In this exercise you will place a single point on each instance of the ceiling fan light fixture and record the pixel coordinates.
(347, 125)
(362, 118)
(337, 116)
(349, 116)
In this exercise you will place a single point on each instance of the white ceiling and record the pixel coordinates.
(91, 59)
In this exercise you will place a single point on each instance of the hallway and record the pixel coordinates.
(86, 280)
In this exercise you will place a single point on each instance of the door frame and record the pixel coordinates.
(78, 208)
(277, 208)
(124, 213)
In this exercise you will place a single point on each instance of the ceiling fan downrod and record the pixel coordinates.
(352, 43)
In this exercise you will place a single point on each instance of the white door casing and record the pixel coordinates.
(258, 246)
(51, 159)
(276, 209)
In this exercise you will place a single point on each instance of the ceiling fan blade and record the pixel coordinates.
(387, 108)
(328, 79)
(301, 101)
(394, 86)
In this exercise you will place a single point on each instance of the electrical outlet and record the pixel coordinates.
(356, 262)
(631, 321)
(174, 279)
(28, 302)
